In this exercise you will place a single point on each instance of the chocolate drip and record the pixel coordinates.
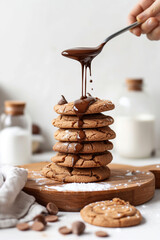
(75, 158)
(78, 147)
(82, 105)
(81, 135)
(80, 108)
(80, 122)
(85, 57)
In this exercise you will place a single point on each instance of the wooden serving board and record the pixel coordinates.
(126, 182)
(155, 169)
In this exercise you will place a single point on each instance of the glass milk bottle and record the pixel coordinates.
(135, 122)
(15, 134)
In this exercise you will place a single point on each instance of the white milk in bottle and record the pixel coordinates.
(135, 122)
(15, 135)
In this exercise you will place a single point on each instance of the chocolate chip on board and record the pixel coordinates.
(101, 234)
(52, 208)
(78, 227)
(62, 101)
(23, 226)
(40, 218)
(65, 230)
(35, 129)
(38, 226)
(51, 218)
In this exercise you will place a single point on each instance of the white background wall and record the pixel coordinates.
(34, 32)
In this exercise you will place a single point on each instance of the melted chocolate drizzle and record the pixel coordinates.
(85, 57)
(75, 158)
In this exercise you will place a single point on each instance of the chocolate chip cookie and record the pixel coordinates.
(97, 107)
(83, 147)
(89, 121)
(73, 135)
(82, 160)
(78, 175)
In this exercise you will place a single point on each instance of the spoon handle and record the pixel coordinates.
(135, 24)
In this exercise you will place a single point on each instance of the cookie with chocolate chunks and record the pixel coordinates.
(88, 121)
(86, 135)
(97, 107)
(111, 213)
(82, 160)
(78, 175)
(83, 147)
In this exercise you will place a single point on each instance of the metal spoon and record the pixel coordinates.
(86, 54)
(133, 25)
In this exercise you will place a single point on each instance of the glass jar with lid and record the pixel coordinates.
(15, 134)
(135, 122)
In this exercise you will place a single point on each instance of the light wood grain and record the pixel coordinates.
(133, 186)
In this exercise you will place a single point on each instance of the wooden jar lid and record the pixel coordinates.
(134, 84)
(14, 107)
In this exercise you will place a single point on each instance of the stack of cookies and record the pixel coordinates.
(83, 145)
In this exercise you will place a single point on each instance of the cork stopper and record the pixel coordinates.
(14, 107)
(134, 84)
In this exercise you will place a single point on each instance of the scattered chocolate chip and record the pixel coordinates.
(62, 101)
(101, 234)
(65, 230)
(52, 208)
(51, 218)
(89, 95)
(78, 227)
(40, 218)
(153, 153)
(23, 226)
(35, 129)
(38, 226)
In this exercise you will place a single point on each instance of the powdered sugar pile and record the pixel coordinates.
(80, 187)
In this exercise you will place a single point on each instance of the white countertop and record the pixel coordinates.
(148, 229)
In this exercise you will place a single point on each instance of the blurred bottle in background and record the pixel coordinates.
(15, 134)
(135, 122)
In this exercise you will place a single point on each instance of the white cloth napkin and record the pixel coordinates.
(15, 205)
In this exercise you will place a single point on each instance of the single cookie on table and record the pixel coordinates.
(85, 147)
(73, 135)
(82, 161)
(89, 121)
(78, 175)
(111, 213)
(97, 107)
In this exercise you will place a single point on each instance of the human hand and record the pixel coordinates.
(147, 12)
